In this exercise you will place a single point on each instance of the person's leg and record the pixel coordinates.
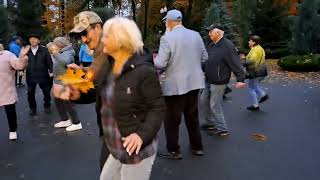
(140, 171)
(61, 108)
(98, 112)
(46, 88)
(172, 122)
(205, 114)
(192, 120)
(260, 92)
(31, 96)
(72, 112)
(111, 169)
(216, 99)
(252, 91)
(11, 116)
(104, 154)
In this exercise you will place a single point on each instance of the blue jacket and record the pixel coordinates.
(14, 48)
(83, 55)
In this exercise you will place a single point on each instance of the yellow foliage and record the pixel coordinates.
(78, 79)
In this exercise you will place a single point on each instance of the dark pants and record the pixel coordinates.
(64, 108)
(86, 64)
(187, 105)
(18, 80)
(46, 88)
(98, 112)
(11, 116)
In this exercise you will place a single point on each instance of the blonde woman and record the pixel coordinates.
(9, 63)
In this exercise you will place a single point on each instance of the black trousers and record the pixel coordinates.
(46, 88)
(187, 105)
(11, 116)
(66, 108)
(18, 80)
(98, 112)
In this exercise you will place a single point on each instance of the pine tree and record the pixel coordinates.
(270, 22)
(28, 20)
(217, 14)
(306, 28)
(4, 26)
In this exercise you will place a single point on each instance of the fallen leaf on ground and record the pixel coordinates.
(259, 137)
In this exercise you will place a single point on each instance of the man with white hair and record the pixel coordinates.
(180, 55)
(223, 59)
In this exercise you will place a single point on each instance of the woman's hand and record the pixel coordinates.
(73, 66)
(132, 143)
(24, 51)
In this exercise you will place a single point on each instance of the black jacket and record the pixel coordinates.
(223, 59)
(39, 66)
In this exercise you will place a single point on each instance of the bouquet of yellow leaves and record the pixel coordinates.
(78, 79)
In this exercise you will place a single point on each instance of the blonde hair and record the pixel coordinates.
(125, 32)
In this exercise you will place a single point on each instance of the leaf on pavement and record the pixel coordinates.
(259, 137)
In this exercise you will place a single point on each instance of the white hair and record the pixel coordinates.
(125, 32)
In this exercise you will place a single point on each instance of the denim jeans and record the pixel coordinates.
(114, 170)
(210, 106)
(255, 90)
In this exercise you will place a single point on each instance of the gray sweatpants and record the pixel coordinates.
(113, 169)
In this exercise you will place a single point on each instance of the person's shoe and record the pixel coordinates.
(13, 136)
(224, 97)
(63, 124)
(228, 90)
(171, 155)
(197, 152)
(207, 127)
(253, 108)
(218, 133)
(264, 98)
(47, 110)
(33, 112)
(74, 127)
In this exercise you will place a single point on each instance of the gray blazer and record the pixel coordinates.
(180, 55)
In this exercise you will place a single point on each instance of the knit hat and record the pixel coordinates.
(61, 42)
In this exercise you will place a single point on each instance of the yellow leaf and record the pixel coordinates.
(77, 79)
(260, 137)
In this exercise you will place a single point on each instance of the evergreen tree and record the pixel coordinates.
(4, 26)
(217, 14)
(306, 28)
(242, 16)
(28, 19)
(270, 22)
(104, 13)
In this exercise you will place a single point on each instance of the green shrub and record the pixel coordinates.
(304, 63)
(277, 53)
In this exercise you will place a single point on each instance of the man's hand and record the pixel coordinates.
(73, 66)
(132, 143)
(240, 85)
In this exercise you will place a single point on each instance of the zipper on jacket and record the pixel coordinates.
(219, 72)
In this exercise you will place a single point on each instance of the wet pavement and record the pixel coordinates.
(290, 121)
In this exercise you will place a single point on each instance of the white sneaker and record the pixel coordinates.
(13, 136)
(74, 127)
(63, 124)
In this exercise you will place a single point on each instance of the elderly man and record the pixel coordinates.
(223, 59)
(180, 55)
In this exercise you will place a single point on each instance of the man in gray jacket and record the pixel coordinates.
(180, 55)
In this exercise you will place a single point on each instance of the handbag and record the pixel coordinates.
(260, 71)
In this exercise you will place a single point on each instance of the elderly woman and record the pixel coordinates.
(255, 60)
(62, 55)
(132, 103)
(9, 63)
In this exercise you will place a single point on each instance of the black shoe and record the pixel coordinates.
(197, 152)
(224, 97)
(264, 98)
(253, 108)
(218, 133)
(228, 90)
(47, 110)
(33, 112)
(171, 155)
(207, 127)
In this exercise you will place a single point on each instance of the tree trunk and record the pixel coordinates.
(146, 7)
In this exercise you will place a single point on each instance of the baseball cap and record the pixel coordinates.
(83, 20)
(174, 15)
(213, 26)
